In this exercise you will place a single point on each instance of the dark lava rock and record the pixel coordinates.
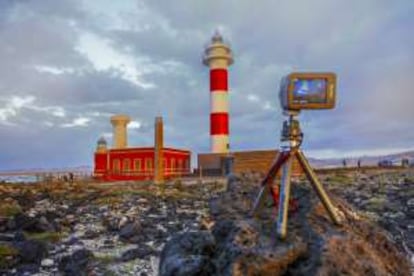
(43, 225)
(31, 251)
(130, 230)
(21, 222)
(91, 234)
(108, 244)
(19, 236)
(3, 223)
(27, 269)
(111, 224)
(73, 241)
(242, 245)
(6, 237)
(188, 254)
(76, 264)
(30, 224)
(141, 252)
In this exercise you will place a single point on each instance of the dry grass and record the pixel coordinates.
(108, 200)
(358, 248)
(339, 178)
(104, 258)
(376, 203)
(45, 236)
(268, 265)
(350, 256)
(9, 209)
(6, 252)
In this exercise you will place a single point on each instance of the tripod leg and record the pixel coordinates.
(282, 216)
(261, 199)
(266, 188)
(317, 186)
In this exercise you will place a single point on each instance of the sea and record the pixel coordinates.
(21, 179)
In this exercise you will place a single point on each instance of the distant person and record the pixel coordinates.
(359, 163)
(71, 177)
(344, 163)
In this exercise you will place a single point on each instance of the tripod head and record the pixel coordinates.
(291, 131)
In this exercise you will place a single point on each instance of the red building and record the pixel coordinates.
(138, 163)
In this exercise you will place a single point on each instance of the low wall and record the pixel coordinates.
(244, 161)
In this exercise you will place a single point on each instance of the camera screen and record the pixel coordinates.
(309, 91)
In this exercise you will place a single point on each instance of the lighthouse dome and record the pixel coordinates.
(217, 37)
(102, 141)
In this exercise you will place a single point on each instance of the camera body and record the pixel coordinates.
(301, 90)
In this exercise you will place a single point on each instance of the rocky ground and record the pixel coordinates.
(95, 229)
(239, 244)
(121, 229)
(386, 198)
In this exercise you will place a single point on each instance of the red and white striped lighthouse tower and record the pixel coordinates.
(218, 57)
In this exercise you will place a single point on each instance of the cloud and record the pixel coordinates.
(134, 125)
(78, 122)
(75, 63)
(12, 107)
(104, 57)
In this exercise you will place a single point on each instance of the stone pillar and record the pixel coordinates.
(158, 151)
(120, 137)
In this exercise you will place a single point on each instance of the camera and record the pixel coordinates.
(308, 91)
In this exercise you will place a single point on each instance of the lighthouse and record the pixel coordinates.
(218, 57)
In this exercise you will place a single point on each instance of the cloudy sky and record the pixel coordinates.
(66, 66)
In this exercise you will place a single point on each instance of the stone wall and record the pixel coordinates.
(244, 161)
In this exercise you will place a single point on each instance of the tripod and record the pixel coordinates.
(291, 133)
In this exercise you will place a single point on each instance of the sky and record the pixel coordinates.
(66, 66)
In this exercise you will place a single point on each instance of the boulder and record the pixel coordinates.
(31, 251)
(188, 254)
(43, 225)
(76, 263)
(130, 230)
(30, 224)
(141, 252)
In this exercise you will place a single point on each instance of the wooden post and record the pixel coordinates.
(158, 152)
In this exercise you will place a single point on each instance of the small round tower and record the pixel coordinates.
(120, 136)
(101, 145)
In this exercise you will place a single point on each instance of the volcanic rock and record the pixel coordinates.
(141, 252)
(30, 224)
(130, 230)
(87, 215)
(77, 263)
(188, 254)
(27, 269)
(31, 251)
(242, 245)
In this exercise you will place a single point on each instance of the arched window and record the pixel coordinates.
(148, 164)
(116, 165)
(126, 166)
(137, 165)
(172, 164)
